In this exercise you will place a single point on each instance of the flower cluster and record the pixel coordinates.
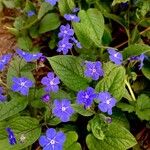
(2, 97)
(66, 39)
(93, 70)
(106, 102)
(11, 136)
(28, 57)
(53, 140)
(4, 61)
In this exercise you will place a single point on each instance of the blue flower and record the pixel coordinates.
(52, 2)
(64, 46)
(93, 70)
(71, 17)
(28, 57)
(63, 110)
(21, 85)
(31, 13)
(115, 56)
(53, 140)
(78, 44)
(140, 59)
(4, 61)
(107, 102)
(2, 97)
(86, 97)
(75, 10)
(65, 31)
(45, 98)
(11, 136)
(50, 82)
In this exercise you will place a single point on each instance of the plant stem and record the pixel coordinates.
(130, 90)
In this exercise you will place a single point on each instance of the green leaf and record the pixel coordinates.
(119, 1)
(69, 69)
(81, 110)
(24, 43)
(54, 121)
(126, 107)
(60, 95)
(113, 81)
(22, 126)
(119, 117)
(91, 27)
(17, 69)
(143, 107)
(66, 6)
(44, 8)
(9, 3)
(71, 141)
(135, 50)
(146, 70)
(98, 126)
(17, 104)
(116, 137)
(19, 22)
(49, 22)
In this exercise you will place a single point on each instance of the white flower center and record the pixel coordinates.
(108, 101)
(52, 142)
(22, 83)
(63, 108)
(63, 45)
(65, 32)
(72, 17)
(51, 82)
(94, 70)
(86, 96)
(115, 55)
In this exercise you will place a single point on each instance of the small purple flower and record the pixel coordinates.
(71, 17)
(75, 10)
(28, 57)
(21, 85)
(2, 97)
(52, 2)
(11, 136)
(63, 110)
(53, 140)
(31, 13)
(64, 46)
(78, 44)
(107, 102)
(141, 59)
(93, 70)
(50, 82)
(45, 98)
(42, 59)
(86, 97)
(4, 61)
(65, 31)
(115, 56)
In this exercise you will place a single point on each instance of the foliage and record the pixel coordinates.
(107, 55)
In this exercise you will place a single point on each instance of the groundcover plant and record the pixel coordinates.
(77, 77)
